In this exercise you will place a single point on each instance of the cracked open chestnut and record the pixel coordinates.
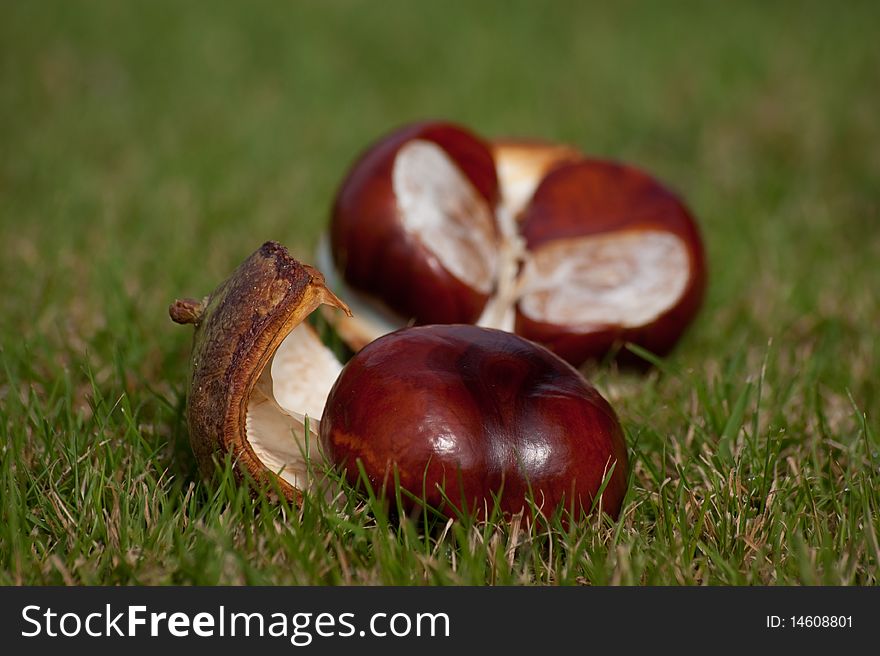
(468, 416)
(433, 224)
(462, 413)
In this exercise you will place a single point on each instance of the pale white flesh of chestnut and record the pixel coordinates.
(625, 278)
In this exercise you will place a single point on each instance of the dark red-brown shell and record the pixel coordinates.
(465, 413)
(593, 197)
(374, 253)
(566, 210)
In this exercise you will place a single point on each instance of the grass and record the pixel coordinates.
(146, 149)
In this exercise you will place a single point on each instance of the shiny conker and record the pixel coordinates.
(464, 416)
(413, 223)
(435, 225)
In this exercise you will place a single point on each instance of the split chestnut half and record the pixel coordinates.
(460, 413)
(435, 225)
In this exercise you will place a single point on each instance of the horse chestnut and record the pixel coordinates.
(467, 413)
(414, 225)
(434, 225)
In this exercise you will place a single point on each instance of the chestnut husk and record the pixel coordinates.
(238, 327)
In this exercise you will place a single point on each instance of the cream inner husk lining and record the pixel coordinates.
(626, 279)
(293, 386)
(518, 181)
(521, 168)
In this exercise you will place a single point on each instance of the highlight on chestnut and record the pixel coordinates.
(434, 224)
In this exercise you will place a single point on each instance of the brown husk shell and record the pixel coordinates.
(238, 328)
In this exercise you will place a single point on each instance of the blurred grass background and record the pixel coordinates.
(147, 148)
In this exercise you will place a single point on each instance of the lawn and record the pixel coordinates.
(147, 148)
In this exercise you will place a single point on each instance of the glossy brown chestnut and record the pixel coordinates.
(578, 254)
(413, 223)
(464, 412)
(614, 257)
